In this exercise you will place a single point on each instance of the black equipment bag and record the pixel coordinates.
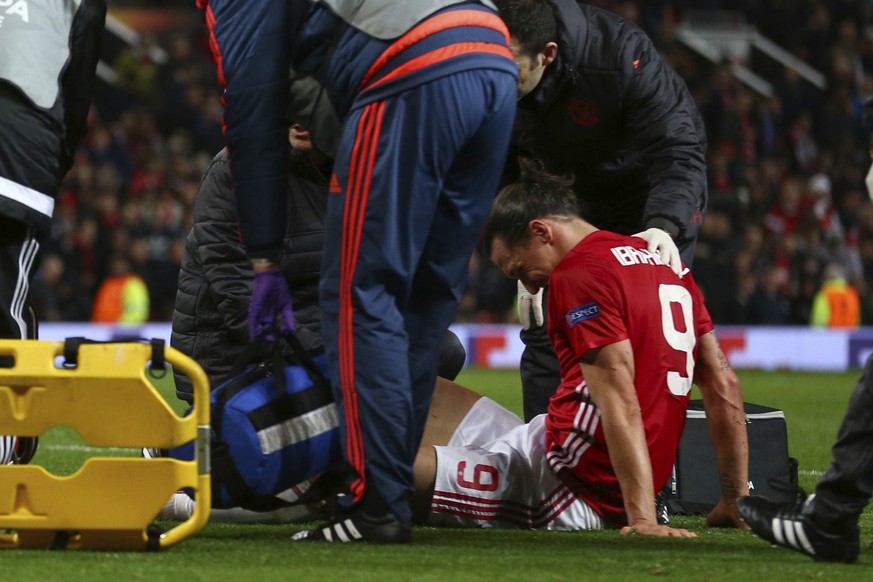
(694, 487)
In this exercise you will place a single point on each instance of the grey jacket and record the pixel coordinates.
(387, 19)
(48, 58)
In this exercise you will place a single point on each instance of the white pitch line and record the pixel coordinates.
(87, 449)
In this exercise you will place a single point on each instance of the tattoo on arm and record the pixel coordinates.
(722, 361)
(728, 487)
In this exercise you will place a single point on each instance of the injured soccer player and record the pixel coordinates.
(631, 337)
(457, 417)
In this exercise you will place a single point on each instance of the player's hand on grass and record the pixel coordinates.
(651, 528)
(725, 514)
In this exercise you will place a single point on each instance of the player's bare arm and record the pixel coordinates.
(609, 374)
(723, 402)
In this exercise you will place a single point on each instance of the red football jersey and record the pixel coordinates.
(607, 289)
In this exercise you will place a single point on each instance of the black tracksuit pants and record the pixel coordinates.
(844, 491)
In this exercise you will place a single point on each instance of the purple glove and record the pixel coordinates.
(270, 296)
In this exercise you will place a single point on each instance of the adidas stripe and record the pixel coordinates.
(790, 533)
(343, 531)
(7, 449)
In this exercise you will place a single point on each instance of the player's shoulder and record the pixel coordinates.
(608, 239)
(608, 249)
(592, 259)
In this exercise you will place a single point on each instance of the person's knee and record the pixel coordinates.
(452, 356)
(424, 471)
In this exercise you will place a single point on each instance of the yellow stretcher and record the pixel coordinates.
(109, 503)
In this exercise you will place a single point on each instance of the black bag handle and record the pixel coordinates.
(251, 353)
(305, 359)
(263, 348)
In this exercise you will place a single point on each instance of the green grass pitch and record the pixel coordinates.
(814, 404)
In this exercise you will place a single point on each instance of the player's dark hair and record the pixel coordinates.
(536, 194)
(531, 23)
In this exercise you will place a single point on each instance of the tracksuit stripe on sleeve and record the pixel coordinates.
(216, 48)
(219, 62)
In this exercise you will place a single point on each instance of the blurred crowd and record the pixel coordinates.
(786, 171)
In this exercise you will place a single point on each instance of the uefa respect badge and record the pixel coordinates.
(582, 313)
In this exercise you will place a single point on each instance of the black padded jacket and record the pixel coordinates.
(215, 281)
(613, 113)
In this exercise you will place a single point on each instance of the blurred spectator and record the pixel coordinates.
(804, 147)
(821, 206)
(137, 70)
(837, 303)
(713, 263)
(122, 297)
(492, 294)
(57, 292)
(784, 216)
(769, 304)
(805, 272)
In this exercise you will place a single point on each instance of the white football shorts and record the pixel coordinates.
(485, 421)
(504, 483)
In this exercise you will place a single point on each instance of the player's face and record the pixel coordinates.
(530, 70)
(530, 263)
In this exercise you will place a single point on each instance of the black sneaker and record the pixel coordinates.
(791, 526)
(16, 450)
(25, 450)
(153, 453)
(358, 526)
(661, 510)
